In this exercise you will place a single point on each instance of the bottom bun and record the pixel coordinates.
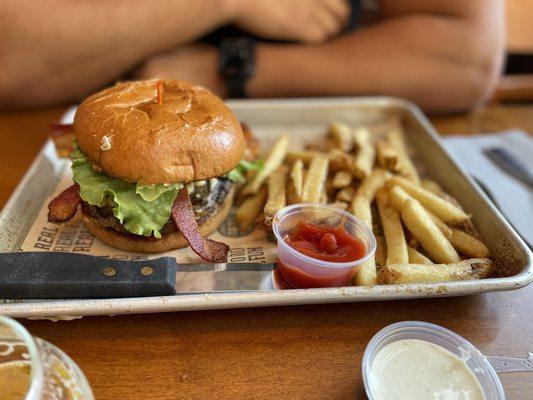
(168, 241)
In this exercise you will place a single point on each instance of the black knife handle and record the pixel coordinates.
(54, 275)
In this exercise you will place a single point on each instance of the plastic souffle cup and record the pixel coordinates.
(477, 363)
(302, 271)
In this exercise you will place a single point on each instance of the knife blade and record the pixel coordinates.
(56, 275)
(507, 162)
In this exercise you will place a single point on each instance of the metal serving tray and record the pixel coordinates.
(268, 118)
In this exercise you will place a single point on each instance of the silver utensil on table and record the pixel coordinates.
(507, 162)
(57, 275)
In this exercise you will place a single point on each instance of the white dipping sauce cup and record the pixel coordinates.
(462, 348)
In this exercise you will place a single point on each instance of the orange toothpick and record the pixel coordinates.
(159, 92)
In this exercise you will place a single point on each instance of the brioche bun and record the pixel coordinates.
(168, 241)
(127, 134)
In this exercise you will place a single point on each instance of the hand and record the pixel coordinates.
(197, 64)
(307, 21)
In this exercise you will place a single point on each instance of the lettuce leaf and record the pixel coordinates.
(141, 209)
(238, 174)
(152, 192)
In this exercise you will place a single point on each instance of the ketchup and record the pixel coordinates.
(326, 243)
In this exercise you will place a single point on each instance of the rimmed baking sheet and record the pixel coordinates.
(304, 120)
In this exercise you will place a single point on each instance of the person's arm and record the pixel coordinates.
(54, 51)
(59, 50)
(443, 55)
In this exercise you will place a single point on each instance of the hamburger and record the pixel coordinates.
(155, 165)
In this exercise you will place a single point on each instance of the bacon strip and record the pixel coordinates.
(60, 129)
(64, 206)
(63, 138)
(183, 217)
(253, 147)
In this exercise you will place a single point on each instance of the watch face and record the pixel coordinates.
(237, 57)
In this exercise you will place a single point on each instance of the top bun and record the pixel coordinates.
(127, 134)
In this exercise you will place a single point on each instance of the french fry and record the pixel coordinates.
(315, 146)
(315, 180)
(468, 245)
(397, 197)
(346, 194)
(295, 185)
(276, 199)
(372, 184)
(272, 161)
(381, 250)
(387, 156)
(330, 144)
(341, 205)
(248, 211)
(420, 223)
(474, 268)
(341, 136)
(366, 275)
(415, 257)
(393, 230)
(338, 159)
(342, 179)
(360, 207)
(445, 229)
(396, 139)
(427, 233)
(366, 153)
(443, 209)
(432, 186)
(303, 155)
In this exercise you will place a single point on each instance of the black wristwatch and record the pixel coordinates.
(237, 64)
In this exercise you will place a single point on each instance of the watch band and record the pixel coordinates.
(236, 87)
(237, 63)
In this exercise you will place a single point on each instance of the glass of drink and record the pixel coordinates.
(33, 369)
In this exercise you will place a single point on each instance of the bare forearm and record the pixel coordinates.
(441, 63)
(58, 50)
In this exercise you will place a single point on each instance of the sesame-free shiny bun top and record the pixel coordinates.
(127, 133)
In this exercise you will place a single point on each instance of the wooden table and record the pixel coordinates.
(304, 352)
